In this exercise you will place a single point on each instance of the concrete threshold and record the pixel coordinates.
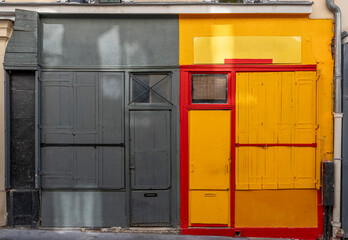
(150, 230)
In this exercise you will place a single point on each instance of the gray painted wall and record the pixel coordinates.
(80, 208)
(141, 40)
(345, 143)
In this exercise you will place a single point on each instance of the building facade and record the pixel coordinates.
(210, 118)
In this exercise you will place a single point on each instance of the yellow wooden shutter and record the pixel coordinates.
(276, 107)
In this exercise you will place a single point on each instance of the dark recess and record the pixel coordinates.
(22, 198)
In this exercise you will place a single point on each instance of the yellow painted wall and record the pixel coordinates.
(281, 49)
(5, 32)
(315, 49)
(276, 208)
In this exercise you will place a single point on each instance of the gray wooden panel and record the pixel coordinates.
(118, 41)
(111, 107)
(57, 107)
(150, 208)
(85, 107)
(150, 149)
(82, 107)
(82, 167)
(83, 209)
(111, 168)
(86, 167)
(57, 167)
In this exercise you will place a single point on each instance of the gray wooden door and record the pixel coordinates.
(150, 167)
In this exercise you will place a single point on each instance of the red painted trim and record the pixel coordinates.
(320, 214)
(208, 225)
(184, 168)
(276, 145)
(297, 233)
(208, 107)
(249, 68)
(232, 86)
(248, 61)
(208, 232)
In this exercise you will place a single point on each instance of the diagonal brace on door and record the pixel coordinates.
(148, 89)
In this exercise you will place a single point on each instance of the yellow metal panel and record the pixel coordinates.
(209, 207)
(214, 50)
(209, 149)
(276, 208)
(276, 107)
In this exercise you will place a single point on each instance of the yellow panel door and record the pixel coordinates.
(209, 149)
(209, 163)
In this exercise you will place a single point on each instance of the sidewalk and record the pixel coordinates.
(29, 234)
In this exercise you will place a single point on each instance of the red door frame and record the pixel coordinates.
(185, 106)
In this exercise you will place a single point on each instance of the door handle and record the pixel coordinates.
(227, 168)
(132, 165)
(150, 195)
(210, 195)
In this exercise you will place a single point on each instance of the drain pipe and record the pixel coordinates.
(337, 232)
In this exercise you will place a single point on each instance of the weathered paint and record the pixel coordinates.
(276, 108)
(22, 138)
(22, 48)
(214, 50)
(276, 208)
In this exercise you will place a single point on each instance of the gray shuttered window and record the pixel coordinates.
(82, 130)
